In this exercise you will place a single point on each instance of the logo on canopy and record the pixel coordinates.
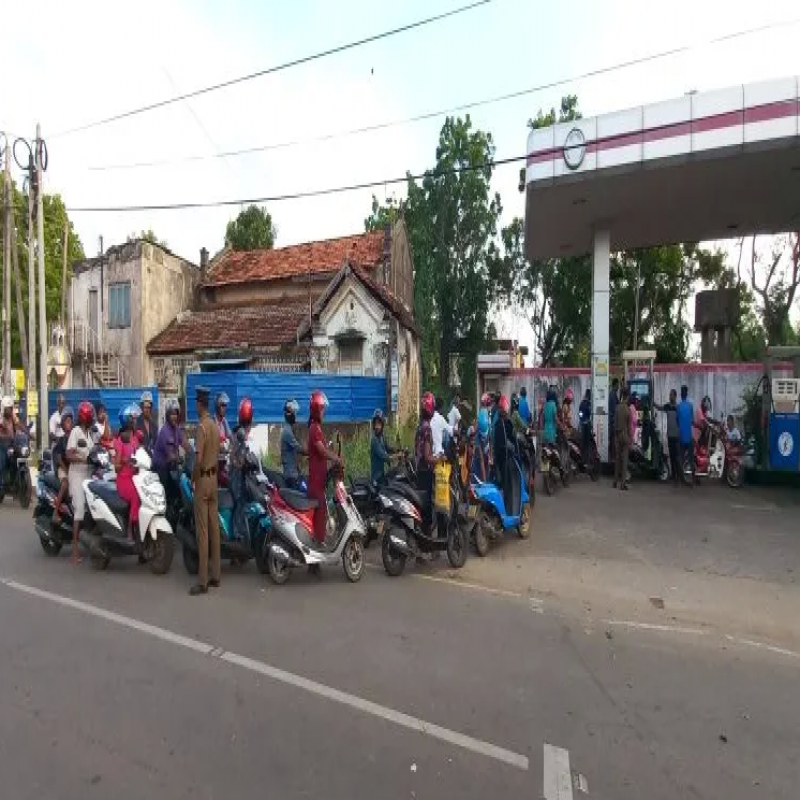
(574, 148)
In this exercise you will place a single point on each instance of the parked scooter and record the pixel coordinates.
(415, 529)
(17, 479)
(587, 466)
(552, 468)
(501, 508)
(648, 458)
(153, 540)
(716, 457)
(53, 536)
(291, 543)
(238, 550)
(526, 445)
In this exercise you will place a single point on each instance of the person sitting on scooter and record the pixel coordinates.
(585, 419)
(566, 413)
(291, 449)
(503, 439)
(524, 408)
(60, 465)
(8, 427)
(78, 448)
(550, 418)
(732, 432)
(165, 452)
(380, 453)
(516, 417)
(480, 456)
(124, 449)
(145, 424)
(318, 457)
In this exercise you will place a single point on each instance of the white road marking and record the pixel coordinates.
(762, 646)
(464, 585)
(557, 775)
(744, 507)
(648, 626)
(298, 681)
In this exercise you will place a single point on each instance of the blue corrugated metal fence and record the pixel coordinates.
(113, 399)
(352, 399)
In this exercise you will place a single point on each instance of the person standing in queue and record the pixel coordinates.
(318, 457)
(221, 408)
(291, 449)
(204, 481)
(622, 440)
(146, 426)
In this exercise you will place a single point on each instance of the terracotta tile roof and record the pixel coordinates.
(364, 250)
(231, 327)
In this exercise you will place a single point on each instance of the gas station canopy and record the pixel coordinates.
(710, 165)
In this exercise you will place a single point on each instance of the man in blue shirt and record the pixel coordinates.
(379, 452)
(685, 417)
(524, 408)
(291, 448)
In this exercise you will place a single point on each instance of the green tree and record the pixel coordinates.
(452, 221)
(55, 222)
(382, 215)
(253, 229)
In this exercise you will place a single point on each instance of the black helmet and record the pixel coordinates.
(514, 402)
(523, 392)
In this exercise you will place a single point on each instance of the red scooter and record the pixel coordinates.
(717, 457)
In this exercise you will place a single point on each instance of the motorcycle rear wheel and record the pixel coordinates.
(456, 546)
(25, 491)
(393, 562)
(480, 537)
(735, 475)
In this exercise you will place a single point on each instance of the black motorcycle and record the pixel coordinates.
(648, 459)
(552, 467)
(589, 463)
(17, 477)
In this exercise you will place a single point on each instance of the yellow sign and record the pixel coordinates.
(32, 404)
(600, 367)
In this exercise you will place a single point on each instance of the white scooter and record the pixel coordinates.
(106, 534)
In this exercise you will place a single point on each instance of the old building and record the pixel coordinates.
(341, 306)
(117, 303)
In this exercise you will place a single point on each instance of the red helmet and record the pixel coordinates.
(85, 413)
(427, 404)
(568, 396)
(503, 404)
(245, 412)
(486, 400)
(317, 404)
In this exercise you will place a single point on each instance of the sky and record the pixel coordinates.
(89, 60)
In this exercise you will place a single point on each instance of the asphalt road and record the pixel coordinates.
(118, 684)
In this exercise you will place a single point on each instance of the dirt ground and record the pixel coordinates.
(658, 554)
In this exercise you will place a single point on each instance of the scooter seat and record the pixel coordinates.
(418, 497)
(51, 481)
(107, 492)
(297, 500)
(224, 499)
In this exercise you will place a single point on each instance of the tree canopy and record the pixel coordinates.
(147, 236)
(253, 229)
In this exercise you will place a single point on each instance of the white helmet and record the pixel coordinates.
(6, 402)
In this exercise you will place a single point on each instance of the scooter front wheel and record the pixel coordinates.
(394, 562)
(735, 475)
(456, 546)
(353, 559)
(278, 569)
(480, 536)
(163, 552)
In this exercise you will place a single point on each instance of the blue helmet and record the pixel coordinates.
(128, 416)
(483, 422)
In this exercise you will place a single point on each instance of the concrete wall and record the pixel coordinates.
(725, 384)
(401, 275)
(277, 291)
(168, 286)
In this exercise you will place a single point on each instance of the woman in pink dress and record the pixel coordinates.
(124, 447)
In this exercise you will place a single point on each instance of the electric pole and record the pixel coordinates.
(44, 416)
(636, 307)
(8, 219)
(30, 374)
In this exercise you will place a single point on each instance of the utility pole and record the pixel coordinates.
(44, 416)
(23, 334)
(64, 275)
(8, 218)
(30, 373)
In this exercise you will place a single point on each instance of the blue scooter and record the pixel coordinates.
(501, 508)
(238, 550)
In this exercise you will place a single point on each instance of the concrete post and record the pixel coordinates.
(601, 291)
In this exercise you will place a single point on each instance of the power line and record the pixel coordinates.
(278, 67)
(446, 111)
(499, 162)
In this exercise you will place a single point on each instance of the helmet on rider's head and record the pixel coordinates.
(317, 405)
(85, 413)
(127, 417)
(568, 395)
(146, 399)
(514, 401)
(427, 405)
(67, 413)
(523, 392)
(172, 406)
(705, 405)
(503, 404)
(246, 412)
(290, 409)
(222, 400)
(483, 422)
(486, 400)
(7, 403)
